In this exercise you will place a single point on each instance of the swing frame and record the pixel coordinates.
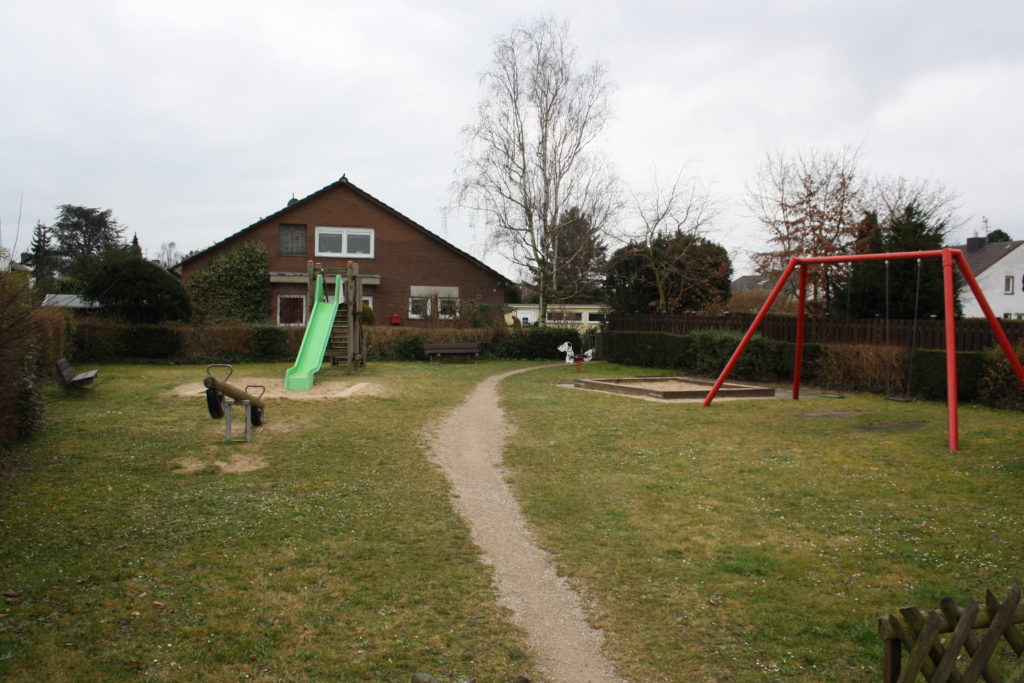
(949, 258)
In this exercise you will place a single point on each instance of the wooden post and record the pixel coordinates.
(310, 288)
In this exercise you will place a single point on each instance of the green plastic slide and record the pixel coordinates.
(299, 377)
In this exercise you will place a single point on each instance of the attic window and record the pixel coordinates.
(291, 240)
(344, 242)
(1008, 284)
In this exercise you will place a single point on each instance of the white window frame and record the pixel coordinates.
(344, 232)
(429, 307)
(291, 296)
(416, 316)
(1008, 284)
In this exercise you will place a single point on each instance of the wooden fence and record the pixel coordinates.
(971, 334)
(962, 656)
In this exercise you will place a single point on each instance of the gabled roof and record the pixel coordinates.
(745, 282)
(344, 182)
(983, 258)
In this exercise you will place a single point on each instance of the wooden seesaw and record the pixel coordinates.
(217, 389)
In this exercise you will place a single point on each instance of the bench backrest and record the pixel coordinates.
(462, 346)
(65, 370)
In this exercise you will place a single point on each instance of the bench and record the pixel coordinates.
(435, 351)
(69, 379)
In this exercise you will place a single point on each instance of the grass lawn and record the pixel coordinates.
(743, 542)
(735, 543)
(341, 559)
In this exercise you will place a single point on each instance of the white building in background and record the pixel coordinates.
(583, 317)
(999, 269)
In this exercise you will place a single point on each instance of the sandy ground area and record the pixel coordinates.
(468, 445)
(275, 389)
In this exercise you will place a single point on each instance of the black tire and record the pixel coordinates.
(215, 403)
(257, 417)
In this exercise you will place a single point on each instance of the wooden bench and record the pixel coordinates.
(69, 379)
(435, 351)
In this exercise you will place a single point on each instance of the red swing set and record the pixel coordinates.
(949, 257)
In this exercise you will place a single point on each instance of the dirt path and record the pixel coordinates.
(468, 446)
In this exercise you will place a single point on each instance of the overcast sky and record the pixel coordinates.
(194, 118)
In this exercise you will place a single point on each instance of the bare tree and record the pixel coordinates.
(891, 196)
(528, 155)
(169, 255)
(668, 240)
(809, 203)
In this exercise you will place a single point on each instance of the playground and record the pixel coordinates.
(737, 542)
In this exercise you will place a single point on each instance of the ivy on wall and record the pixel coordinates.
(235, 285)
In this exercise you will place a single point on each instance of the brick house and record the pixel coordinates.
(407, 270)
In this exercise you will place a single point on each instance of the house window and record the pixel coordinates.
(1008, 284)
(564, 316)
(291, 240)
(344, 242)
(597, 317)
(422, 301)
(291, 309)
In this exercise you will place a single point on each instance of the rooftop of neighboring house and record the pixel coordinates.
(68, 301)
(982, 254)
(745, 282)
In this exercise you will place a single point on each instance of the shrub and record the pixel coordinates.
(94, 341)
(151, 341)
(234, 285)
(999, 387)
(648, 349)
(537, 343)
(21, 404)
(711, 350)
(269, 342)
(367, 317)
(410, 348)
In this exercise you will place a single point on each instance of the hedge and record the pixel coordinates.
(851, 368)
(95, 341)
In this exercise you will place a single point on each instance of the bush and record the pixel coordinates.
(151, 341)
(367, 317)
(21, 405)
(999, 387)
(234, 285)
(410, 348)
(269, 343)
(648, 349)
(537, 343)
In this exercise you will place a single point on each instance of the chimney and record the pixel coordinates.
(975, 243)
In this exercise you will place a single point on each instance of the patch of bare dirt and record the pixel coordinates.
(237, 463)
(275, 389)
(467, 445)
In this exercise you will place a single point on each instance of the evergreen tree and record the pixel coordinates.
(135, 247)
(907, 230)
(43, 257)
(672, 273)
(83, 231)
(129, 287)
(577, 257)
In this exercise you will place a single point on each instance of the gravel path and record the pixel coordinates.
(468, 446)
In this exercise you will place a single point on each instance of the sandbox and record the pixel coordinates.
(671, 387)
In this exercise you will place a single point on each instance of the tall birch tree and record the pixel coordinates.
(530, 154)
